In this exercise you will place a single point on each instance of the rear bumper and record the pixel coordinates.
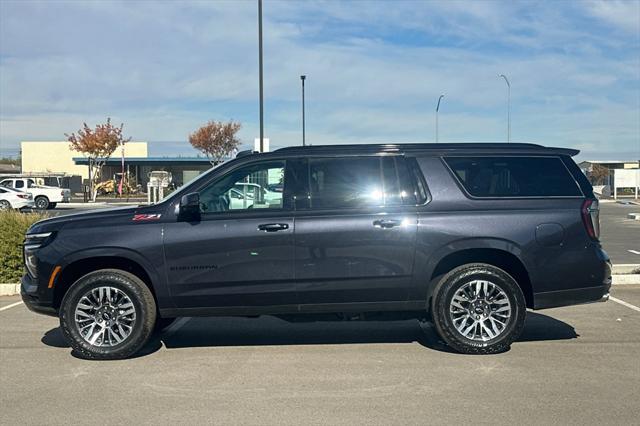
(554, 299)
(29, 293)
(595, 291)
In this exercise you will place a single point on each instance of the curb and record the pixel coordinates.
(9, 289)
(628, 279)
(625, 269)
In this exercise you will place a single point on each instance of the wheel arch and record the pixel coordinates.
(502, 254)
(81, 264)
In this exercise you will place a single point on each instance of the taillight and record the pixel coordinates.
(25, 196)
(62, 193)
(591, 218)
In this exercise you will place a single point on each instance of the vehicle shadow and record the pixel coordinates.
(268, 330)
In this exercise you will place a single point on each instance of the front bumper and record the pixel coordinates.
(23, 204)
(29, 293)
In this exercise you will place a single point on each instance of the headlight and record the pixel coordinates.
(32, 243)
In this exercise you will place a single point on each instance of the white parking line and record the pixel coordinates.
(623, 303)
(4, 308)
(634, 251)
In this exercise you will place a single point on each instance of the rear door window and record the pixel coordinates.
(358, 182)
(336, 183)
(514, 176)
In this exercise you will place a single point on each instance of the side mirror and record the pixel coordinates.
(190, 205)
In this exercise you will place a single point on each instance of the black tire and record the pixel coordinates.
(52, 206)
(441, 309)
(130, 285)
(163, 323)
(41, 202)
(5, 205)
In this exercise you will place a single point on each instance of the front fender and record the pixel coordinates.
(152, 270)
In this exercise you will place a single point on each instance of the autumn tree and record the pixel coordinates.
(97, 144)
(216, 140)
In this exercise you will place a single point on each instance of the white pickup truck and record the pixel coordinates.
(44, 197)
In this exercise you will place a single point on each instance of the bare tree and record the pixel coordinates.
(216, 139)
(97, 144)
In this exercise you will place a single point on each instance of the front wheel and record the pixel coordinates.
(108, 314)
(478, 309)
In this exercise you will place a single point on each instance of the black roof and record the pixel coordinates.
(439, 148)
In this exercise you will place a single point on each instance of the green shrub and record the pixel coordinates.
(13, 226)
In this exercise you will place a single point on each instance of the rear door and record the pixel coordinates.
(355, 230)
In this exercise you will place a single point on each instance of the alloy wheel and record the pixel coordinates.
(105, 316)
(480, 310)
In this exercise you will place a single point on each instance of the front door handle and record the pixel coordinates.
(273, 227)
(386, 223)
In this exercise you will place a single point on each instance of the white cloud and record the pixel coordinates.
(623, 14)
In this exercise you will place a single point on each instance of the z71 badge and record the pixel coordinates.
(144, 217)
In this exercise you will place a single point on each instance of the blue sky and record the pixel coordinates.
(375, 71)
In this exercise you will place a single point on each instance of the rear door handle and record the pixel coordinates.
(273, 227)
(386, 223)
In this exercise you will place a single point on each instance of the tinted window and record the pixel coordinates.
(356, 182)
(19, 184)
(514, 176)
(256, 186)
(345, 182)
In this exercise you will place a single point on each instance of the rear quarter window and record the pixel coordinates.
(514, 176)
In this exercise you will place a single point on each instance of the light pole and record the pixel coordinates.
(302, 79)
(508, 107)
(260, 75)
(437, 110)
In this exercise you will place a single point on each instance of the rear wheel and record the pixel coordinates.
(42, 202)
(5, 205)
(478, 309)
(108, 314)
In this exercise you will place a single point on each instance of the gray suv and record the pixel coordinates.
(466, 235)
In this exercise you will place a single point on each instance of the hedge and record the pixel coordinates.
(13, 226)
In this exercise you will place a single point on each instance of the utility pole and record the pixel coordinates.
(508, 107)
(437, 110)
(260, 75)
(303, 78)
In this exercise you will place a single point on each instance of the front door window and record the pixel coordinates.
(256, 186)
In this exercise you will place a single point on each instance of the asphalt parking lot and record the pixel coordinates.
(574, 365)
(620, 235)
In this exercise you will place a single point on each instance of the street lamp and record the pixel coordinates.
(260, 75)
(437, 110)
(302, 79)
(508, 107)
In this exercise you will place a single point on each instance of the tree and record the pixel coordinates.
(599, 174)
(216, 139)
(97, 144)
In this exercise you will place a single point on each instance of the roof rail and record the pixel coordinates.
(245, 153)
(440, 148)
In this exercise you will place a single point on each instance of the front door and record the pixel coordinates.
(240, 252)
(355, 236)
